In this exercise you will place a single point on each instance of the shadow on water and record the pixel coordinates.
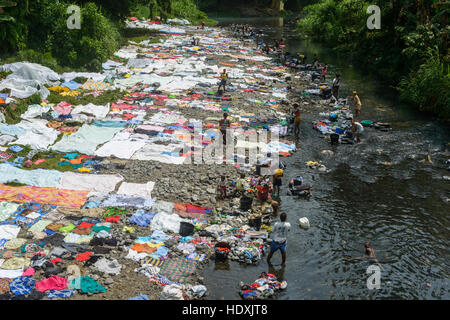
(378, 191)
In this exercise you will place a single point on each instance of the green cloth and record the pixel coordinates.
(67, 228)
(87, 285)
(67, 163)
(100, 228)
(114, 211)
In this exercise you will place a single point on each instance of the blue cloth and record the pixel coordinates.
(164, 280)
(22, 285)
(110, 123)
(71, 156)
(67, 293)
(72, 85)
(162, 251)
(18, 165)
(15, 148)
(19, 160)
(92, 204)
(160, 235)
(49, 232)
(162, 134)
(140, 297)
(186, 239)
(2, 242)
(277, 246)
(142, 218)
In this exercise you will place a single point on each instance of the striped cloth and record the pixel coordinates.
(154, 262)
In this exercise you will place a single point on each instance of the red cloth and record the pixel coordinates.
(52, 283)
(113, 219)
(83, 256)
(54, 261)
(84, 224)
(195, 209)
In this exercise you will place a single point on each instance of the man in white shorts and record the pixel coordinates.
(357, 129)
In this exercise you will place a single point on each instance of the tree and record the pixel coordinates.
(4, 17)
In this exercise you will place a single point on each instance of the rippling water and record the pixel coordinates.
(377, 191)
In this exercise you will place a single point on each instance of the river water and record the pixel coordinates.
(402, 208)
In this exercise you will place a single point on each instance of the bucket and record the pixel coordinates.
(186, 229)
(222, 249)
(334, 138)
(255, 223)
(246, 203)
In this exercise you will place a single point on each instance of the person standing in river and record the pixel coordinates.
(279, 238)
(357, 104)
(336, 85)
(297, 120)
(324, 72)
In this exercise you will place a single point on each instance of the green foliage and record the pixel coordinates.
(46, 59)
(107, 97)
(408, 29)
(13, 111)
(429, 87)
(97, 39)
(140, 11)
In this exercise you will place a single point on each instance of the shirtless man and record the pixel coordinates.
(369, 253)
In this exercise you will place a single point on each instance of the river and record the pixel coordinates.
(402, 207)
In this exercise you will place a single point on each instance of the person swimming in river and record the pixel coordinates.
(369, 253)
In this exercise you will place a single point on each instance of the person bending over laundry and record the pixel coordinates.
(279, 238)
(277, 181)
(263, 196)
(222, 187)
(357, 129)
(223, 80)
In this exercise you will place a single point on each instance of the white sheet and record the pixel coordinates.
(137, 189)
(96, 183)
(8, 231)
(122, 149)
(86, 139)
(99, 112)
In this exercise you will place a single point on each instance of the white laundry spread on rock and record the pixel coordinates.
(120, 149)
(96, 183)
(136, 189)
(166, 222)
